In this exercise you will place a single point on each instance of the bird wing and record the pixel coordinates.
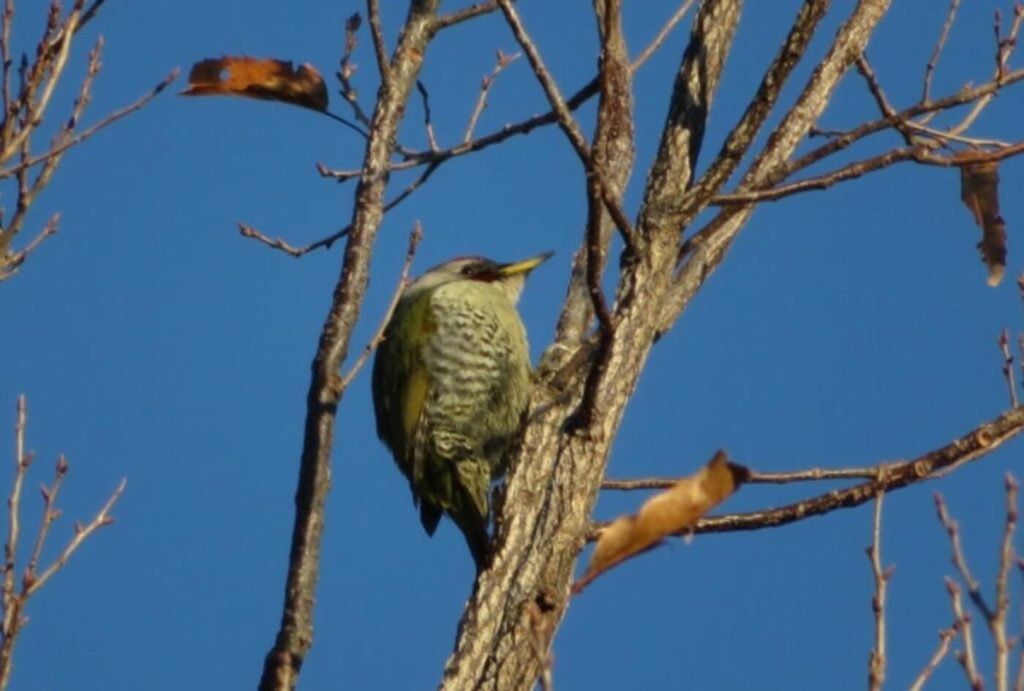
(401, 381)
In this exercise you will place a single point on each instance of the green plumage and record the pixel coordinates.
(450, 383)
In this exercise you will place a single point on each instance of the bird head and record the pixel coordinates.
(509, 277)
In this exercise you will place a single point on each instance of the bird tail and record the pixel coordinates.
(430, 516)
(461, 490)
(473, 524)
(470, 511)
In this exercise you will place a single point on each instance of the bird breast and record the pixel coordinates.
(478, 362)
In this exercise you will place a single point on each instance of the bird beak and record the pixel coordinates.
(525, 266)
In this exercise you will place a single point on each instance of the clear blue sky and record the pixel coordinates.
(154, 343)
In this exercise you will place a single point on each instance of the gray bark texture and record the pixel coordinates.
(555, 477)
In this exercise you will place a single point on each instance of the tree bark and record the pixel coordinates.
(556, 472)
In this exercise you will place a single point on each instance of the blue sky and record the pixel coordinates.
(154, 343)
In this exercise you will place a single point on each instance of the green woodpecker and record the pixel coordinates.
(450, 383)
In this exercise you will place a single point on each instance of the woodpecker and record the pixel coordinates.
(450, 382)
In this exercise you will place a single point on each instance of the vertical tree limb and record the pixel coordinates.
(555, 475)
(295, 636)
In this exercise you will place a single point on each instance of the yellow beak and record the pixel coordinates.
(524, 266)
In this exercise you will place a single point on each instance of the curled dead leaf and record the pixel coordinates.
(979, 189)
(664, 514)
(266, 79)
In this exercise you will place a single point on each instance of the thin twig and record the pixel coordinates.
(779, 478)
(504, 60)
(663, 34)
(844, 140)
(94, 128)
(963, 624)
(1004, 347)
(881, 100)
(565, 120)
(1006, 559)
(464, 15)
(21, 464)
(14, 599)
(933, 61)
(50, 513)
(279, 244)
(414, 241)
(10, 263)
(1004, 49)
(82, 533)
(946, 637)
(425, 95)
(918, 154)
(347, 69)
(877, 662)
(379, 48)
(953, 530)
(54, 70)
(977, 443)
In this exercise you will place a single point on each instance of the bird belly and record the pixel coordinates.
(479, 374)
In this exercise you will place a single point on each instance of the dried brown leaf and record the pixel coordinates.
(267, 79)
(979, 189)
(664, 514)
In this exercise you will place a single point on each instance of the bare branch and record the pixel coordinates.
(1006, 559)
(414, 241)
(464, 15)
(87, 133)
(1004, 48)
(82, 533)
(377, 32)
(781, 478)
(1004, 347)
(504, 60)
(946, 637)
(977, 443)
(11, 262)
(425, 95)
(858, 169)
(346, 69)
(35, 109)
(566, 122)
(295, 636)
(24, 107)
(965, 657)
(50, 513)
(668, 189)
(877, 662)
(14, 600)
(933, 61)
(326, 243)
(953, 530)
(279, 244)
(663, 34)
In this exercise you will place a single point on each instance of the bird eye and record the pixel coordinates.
(469, 270)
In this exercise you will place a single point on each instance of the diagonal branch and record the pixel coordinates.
(976, 444)
(760, 107)
(566, 122)
(850, 42)
(662, 35)
(380, 50)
